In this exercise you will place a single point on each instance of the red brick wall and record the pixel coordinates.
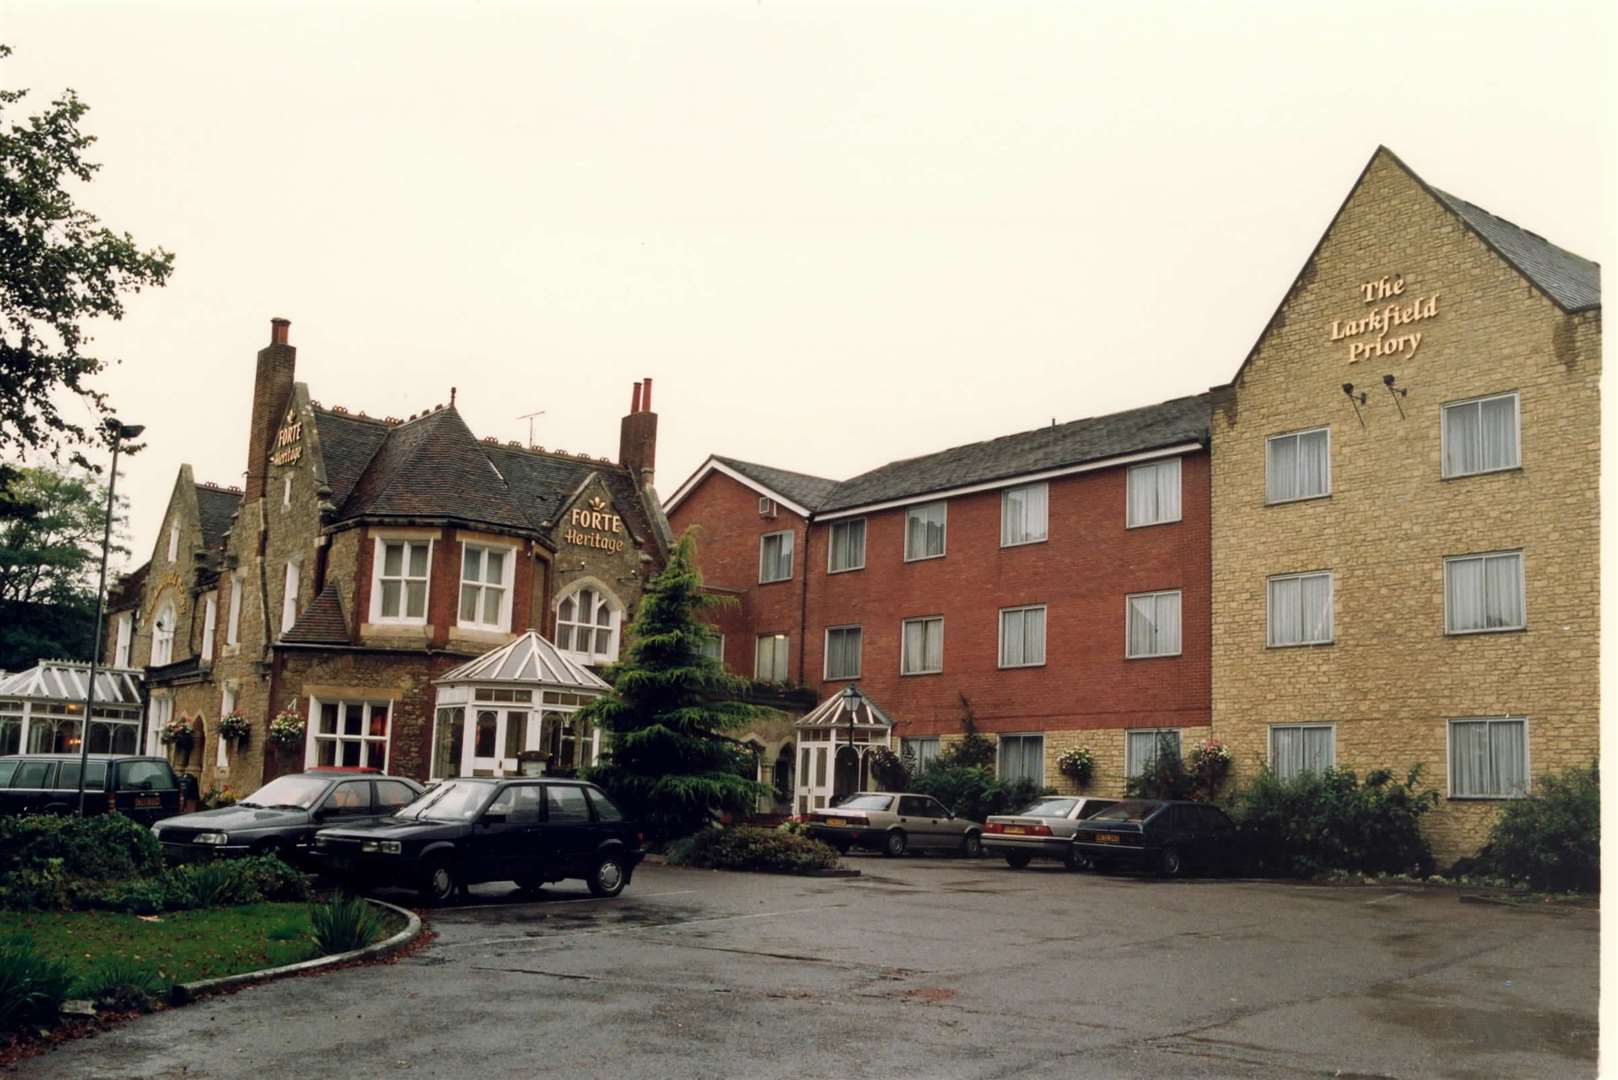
(444, 585)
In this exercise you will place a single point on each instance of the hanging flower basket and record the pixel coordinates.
(234, 726)
(1209, 764)
(1079, 763)
(286, 729)
(177, 733)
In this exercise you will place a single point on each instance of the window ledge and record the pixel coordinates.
(776, 581)
(1299, 499)
(1178, 520)
(1483, 472)
(1019, 667)
(847, 569)
(1303, 645)
(924, 558)
(913, 674)
(1156, 656)
(1483, 798)
(1023, 543)
(1477, 633)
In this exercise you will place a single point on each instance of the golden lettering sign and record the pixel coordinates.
(598, 518)
(288, 441)
(1377, 328)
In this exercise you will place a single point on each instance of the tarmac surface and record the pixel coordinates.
(924, 967)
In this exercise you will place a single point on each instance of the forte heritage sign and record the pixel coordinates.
(595, 526)
(1370, 334)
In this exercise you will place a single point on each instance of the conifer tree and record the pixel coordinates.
(670, 763)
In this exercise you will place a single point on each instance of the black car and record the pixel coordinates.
(281, 817)
(1169, 837)
(143, 788)
(461, 832)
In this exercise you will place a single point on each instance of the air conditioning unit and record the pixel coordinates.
(766, 507)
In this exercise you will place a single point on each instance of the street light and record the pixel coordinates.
(851, 705)
(118, 432)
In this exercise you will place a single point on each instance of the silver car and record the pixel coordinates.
(1041, 830)
(894, 823)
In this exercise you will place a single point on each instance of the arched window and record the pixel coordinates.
(587, 625)
(163, 635)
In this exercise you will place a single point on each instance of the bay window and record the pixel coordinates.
(486, 576)
(399, 581)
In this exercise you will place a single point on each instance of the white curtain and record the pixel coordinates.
(1499, 428)
(1022, 757)
(924, 531)
(1488, 757)
(1502, 586)
(1296, 750)
(1283, 468)
(1463, 594)
(1300, 610)
(1154, 493)
(848, 545)
(923, 645)
(1484, 593)
(1142, 747)
(843, 654)
(1480, 435)
(1154, 624)
(1312, 466)
(1023, 514)
(1022, 637)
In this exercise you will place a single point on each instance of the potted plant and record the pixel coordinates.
(1078, 763)
(234, 726)
(178, 734)
(286, 729)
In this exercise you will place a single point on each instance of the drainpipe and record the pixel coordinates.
(803, 607)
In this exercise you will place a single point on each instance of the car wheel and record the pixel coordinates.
(1077, 860)
(609, 877)
(842, 848)
(972, 845)
(530, 884)
(1019, 860)
(441, 883)
(1169, 862)
(895, 844)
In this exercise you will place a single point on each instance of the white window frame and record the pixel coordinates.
(915, 742)
(831, 545)
(1151, 467)
(289, 594)
(1527, 757)
(227, 702)
(1045, 526)
(1443, 432)
(1522, 591)
(903, 633)
(943, 506)
(378, 557)
(1297, 435)
(286, 492)
(1269, 609)
(210, 621)
(1130, 771)
(163, 638)
(782, 647)
(1021, 736)
(311, 750)
(615, 622)
(859, 653)
(233, 625)
(174, 541)
(1129, 615)
(790, 545)
(126, 637)
(1269, 743)
(508, 574)
(158, 715)
(1045, 626)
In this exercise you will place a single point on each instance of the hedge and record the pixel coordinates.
(746, 847)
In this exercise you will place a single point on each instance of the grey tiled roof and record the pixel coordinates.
(1178, 421)
(322, 622)
(216, 506)
(1572, 281)
(347, 445)
(803, 489)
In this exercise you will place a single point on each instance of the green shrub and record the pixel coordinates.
(106, 847)
(32, 987)
(745, 847)
(119, 982)
(1319, 822)
(973, 793)
(344, 923)
(210, 884)
(972, 750)
(1165, 776)
(1552, 839)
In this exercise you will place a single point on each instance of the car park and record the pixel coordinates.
(142, 788)
(281, 817)
(893, 823)
(471, 830)
(1170, 837)
(1041, 830)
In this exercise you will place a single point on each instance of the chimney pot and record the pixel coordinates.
(646, 396)
(634, 400)
(278, 330)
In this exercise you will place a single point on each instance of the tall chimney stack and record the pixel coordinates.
(637, 435)
(272, 390)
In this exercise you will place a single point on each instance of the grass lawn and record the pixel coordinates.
(181, 945)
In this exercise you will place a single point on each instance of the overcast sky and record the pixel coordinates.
(834, 235)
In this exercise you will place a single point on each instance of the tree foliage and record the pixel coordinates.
(60, 268)
(1552, 839)
(670, 763)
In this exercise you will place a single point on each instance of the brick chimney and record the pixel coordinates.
(272, 390)
(637, 434)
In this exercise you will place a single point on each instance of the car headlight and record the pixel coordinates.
(321, 841)
(211, 838)
(157, 832)
(385, 847)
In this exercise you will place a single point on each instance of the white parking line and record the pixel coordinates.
(1380, 899)
(624, 929)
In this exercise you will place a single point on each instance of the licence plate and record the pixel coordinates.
(148, 800)
(1107, 837)
(1016, 830)
(836, 821)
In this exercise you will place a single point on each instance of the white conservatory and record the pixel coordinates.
(835, 740)
(515, 705)
(42, 709)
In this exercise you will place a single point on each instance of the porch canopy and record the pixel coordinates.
(42, 709)
(522, 696)
(835, 739)
(843, 710)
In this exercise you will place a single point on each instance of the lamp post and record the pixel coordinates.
(851, 705)
(118, 431)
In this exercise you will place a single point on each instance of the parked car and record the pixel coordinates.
(1041, 830)
(464, 831)
(1169, 837)
(143, 788)
(894, 823)
(281, 817)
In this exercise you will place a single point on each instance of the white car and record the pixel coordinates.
(894, 823)
(1041, 830)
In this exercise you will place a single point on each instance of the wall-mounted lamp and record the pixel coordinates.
(1358, 400)
(1397, 392)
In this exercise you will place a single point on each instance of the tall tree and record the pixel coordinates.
(670, 763)
(59, 269)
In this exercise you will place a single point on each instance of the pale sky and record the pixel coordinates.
(834, 234)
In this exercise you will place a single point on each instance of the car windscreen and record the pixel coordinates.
(146, 776)
(1048, 808)
(866, 802)
(1129, 810)
(288, 793)
(449, 801)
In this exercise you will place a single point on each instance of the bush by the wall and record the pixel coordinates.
(744, 847)
(974, 793)
(32, 987)
(106, 847)
(1316, 822)
(1552, 839)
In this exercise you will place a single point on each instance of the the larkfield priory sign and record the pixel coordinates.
(1375, 327)
(600, 523)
